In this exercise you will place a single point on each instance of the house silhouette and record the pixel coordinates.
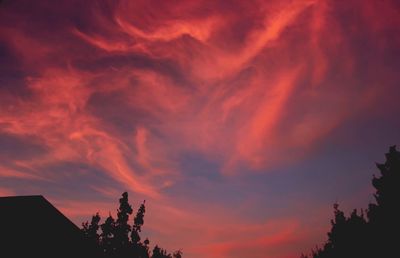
(30, 226)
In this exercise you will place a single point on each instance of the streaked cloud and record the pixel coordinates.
(189, 105)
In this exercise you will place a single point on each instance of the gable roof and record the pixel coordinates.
(30, 226)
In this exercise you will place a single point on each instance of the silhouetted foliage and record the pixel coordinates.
(90, 230)
(177, 254)
(118, 239)
(138, 223)
(122, 228)
(160, 253)
(376, 235)
(107, 236)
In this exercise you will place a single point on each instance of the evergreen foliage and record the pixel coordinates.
(90, 230)
(118, 239)
(374, 236)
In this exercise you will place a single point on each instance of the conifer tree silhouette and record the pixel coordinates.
(138, 223)
(376, 236)
(140, 249)
(90, 230)
(177, 254)
(122, 228)
(384, 216)
(160, 253)
(107, 236)
(115, 241)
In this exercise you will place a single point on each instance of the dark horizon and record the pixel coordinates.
(32, 226)
(239, 122)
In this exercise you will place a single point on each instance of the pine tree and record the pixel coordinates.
(90, 230)
(160, 253)
(107, 236)
(115, 240)
(387, 194)
(122, 228)
(138, 223)
(140, 249)
(376, 236)
(384, 216)
(177, 254)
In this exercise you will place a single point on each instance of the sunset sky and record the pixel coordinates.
(239, 122)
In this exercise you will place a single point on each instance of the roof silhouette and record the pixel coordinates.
(30, 226)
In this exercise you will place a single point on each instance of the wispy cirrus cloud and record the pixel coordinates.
(166, 99)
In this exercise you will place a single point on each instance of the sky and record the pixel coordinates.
(239, 122)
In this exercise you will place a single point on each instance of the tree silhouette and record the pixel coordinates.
(116, 242)
(90, 230)
(122, 228)
(177, 254)
(160, 253)
(107, 236)
(384, 216)
(140, 249)
(376, 236)
(138, 223)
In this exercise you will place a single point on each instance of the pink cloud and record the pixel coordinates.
(249, 86)
(6, 192)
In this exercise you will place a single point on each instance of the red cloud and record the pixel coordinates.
(129, 88)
